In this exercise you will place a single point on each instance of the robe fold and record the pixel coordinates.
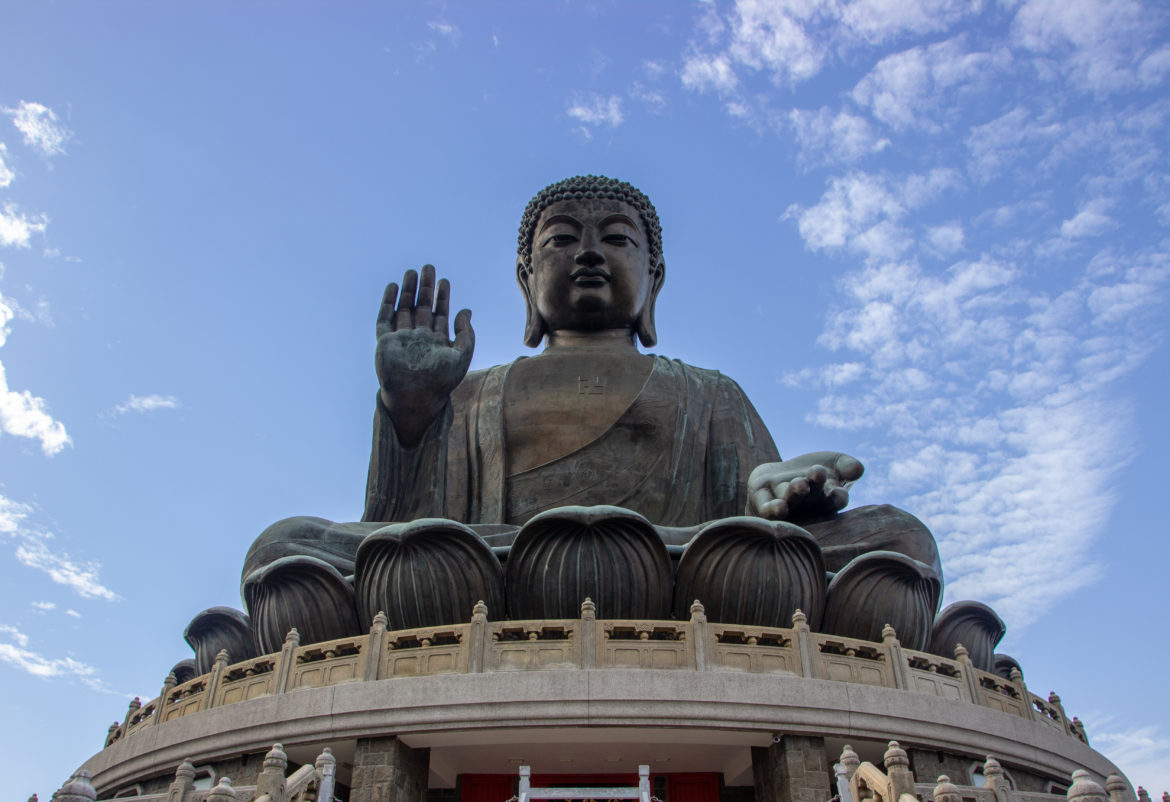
(680, 454)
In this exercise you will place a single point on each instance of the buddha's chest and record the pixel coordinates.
(554, 405)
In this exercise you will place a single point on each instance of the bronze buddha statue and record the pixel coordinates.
(589, 469)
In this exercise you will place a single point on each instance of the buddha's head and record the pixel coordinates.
(590, 259)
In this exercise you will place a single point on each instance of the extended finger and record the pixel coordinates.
(426, 298)
(386, 310)
(442, 307)
(464, 334)
(767, 505)
(849, 469)
(838, 498)
(405, 316)
(817, 474)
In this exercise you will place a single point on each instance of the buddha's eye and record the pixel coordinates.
(561, 239)
(620, 240)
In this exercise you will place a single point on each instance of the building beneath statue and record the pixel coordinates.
(584, 562)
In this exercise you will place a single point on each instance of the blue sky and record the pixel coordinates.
(929, 233)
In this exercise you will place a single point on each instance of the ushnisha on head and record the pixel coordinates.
(608, 302)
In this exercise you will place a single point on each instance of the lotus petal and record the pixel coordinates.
(302, 592)
(424, 573)
(879, 588)
(609, 554)
(220, 628)
(973, 624)
(752, 571)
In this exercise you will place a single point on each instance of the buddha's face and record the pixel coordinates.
(590, 266)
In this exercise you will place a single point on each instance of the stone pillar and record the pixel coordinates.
(795, 769)
(387, 770)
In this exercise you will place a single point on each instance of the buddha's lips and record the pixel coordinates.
(589, 276)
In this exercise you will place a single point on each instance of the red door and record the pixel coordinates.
(487, 787)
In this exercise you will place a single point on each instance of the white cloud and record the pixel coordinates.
(1098, 42)
(946, 239)
(145, 403)
(17, 654)
(596, 110)
(33, 550)
(863, 212)
(39, 125)
(908, 89)
(879, 20)
(1090, 221)
(708, 72)
(996, 145)
(793, 40)
(82, 578)
(72, 613)
(993, 400)
(43, 606)
(828, 138)
(444, 29)
(16, 228)
(6, 174)
(1140, 752)
(24, 415)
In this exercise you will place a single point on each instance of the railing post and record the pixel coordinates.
(135, 706)
(184, 782)
(805, 645)
(850, 761)
(644, 782)
(898, 663)
(326, 766)
(1118, 789)
(287, 660)
(994, 780)
(168, 685)
(700, 635)
(526, 777)
(78, 788)
(944, 791)
(477, 638)
(110, 731)
(271, 779)
(588, 645)
(1054, 700)
(898, 770)
(967, 668)
(1084, 788)
(1017, 678)
(223, 792)
(214, 679)
(375, 644)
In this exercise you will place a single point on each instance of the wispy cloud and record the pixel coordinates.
(1101, 44)
(999, 429)
(908, 89)
(1140, 752)
(827, 137)
(596, 110)
(43, 606)
(40, 127)
(16, 228)
(6, 174)
(445, 29)
(21, 413)
(15, 652)
(145, 403)
(34, 550)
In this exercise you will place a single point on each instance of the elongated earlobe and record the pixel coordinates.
(647, 333)
(534, 325)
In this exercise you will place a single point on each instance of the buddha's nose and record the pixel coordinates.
(588, 257)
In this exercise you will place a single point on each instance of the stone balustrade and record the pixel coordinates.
(482, 645)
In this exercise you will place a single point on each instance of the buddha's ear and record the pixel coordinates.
(647, 333)
(534, 326)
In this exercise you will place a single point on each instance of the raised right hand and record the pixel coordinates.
(417, 365)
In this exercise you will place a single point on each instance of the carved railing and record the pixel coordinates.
(482, 645)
